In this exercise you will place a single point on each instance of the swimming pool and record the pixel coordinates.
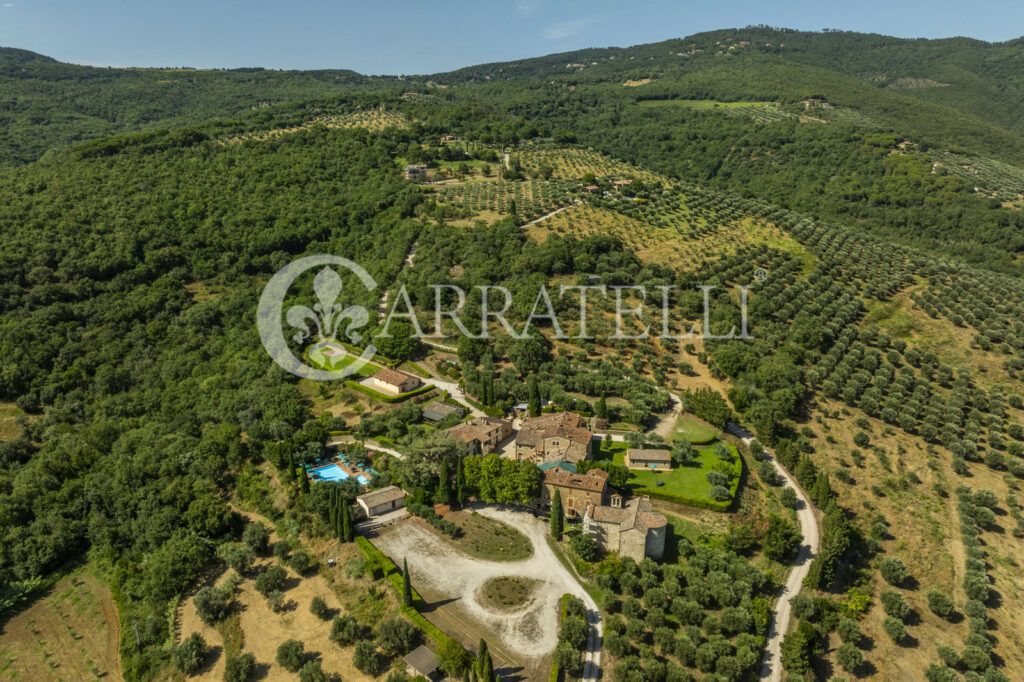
(333, 472)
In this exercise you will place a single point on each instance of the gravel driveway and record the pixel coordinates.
(532, 631)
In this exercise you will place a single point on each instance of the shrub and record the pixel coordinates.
(276, 601)
(940, 673)
(574, 630)
(398, 636)
(975, 658)
(355, 568)
(568, 658)
(766, 470)
(584, 546)
(271, 580)
(893, 570)
(719, 493)
(312, 672)
(366, 659)
(239, 668)
(213, 604)
(291, 655)
(849, 631)
(895, 604)
(256, 537)
(849, 657)
(895, 629)
(787, 497)
(781, 539)
(940, 604)
(300, 562)
(238, 556)
(189, 655)
(318, 607)
(948, 655)
(346, 630)
(282, 549)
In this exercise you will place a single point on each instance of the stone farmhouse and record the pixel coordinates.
(578, 491)
(481, 435)
(562, 436)
(632, 530)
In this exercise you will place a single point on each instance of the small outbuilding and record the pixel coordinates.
(395, 381)
(382, 501)
(422, 661)
(436, 410)
(659, 460)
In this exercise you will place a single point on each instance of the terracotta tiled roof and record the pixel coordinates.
(568, 425)
(393, 376)
(637, 514)
(594, 480)
(478, 428)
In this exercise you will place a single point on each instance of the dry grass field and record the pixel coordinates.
(71, 633)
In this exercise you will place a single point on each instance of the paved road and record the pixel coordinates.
(771, 663)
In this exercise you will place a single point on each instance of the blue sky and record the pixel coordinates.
(378, 36)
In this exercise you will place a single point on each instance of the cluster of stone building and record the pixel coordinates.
(557, 443)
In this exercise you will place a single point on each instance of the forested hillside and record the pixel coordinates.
(46, 104)
(876, 215)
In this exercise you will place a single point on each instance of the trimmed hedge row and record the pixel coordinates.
(556, 672)
(381, 562)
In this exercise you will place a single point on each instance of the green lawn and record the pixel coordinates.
(685, 485)
(333, 364)
(694, 430)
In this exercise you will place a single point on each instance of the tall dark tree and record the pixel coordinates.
(557, 518)
(602, 407)
(443, 494)
(534, 392)
(406, 584)
(348, 532)
(461, 493)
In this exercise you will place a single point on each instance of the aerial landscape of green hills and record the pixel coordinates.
(161, 514)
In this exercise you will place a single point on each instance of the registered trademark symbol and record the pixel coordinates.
(760, 274)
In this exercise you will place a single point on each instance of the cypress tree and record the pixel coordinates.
(348, 532)
(406, 584)
(304, 481)
(460, 484)
(443, 495)
(602, 407)
(534, 391)
(290, 471)
(557, 520)
(485, 666)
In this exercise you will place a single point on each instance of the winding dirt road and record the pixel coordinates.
(771, 663)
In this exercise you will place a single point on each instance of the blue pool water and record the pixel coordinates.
(333, 472)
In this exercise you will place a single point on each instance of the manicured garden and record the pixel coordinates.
(687, 484)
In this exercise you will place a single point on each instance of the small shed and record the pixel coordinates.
(659, 460)
(422, 661)
(377, 502)
(436, 410)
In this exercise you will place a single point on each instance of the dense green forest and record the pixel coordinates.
(139, 223)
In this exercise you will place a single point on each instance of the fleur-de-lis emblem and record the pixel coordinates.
(326, 314)
(325, 320)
